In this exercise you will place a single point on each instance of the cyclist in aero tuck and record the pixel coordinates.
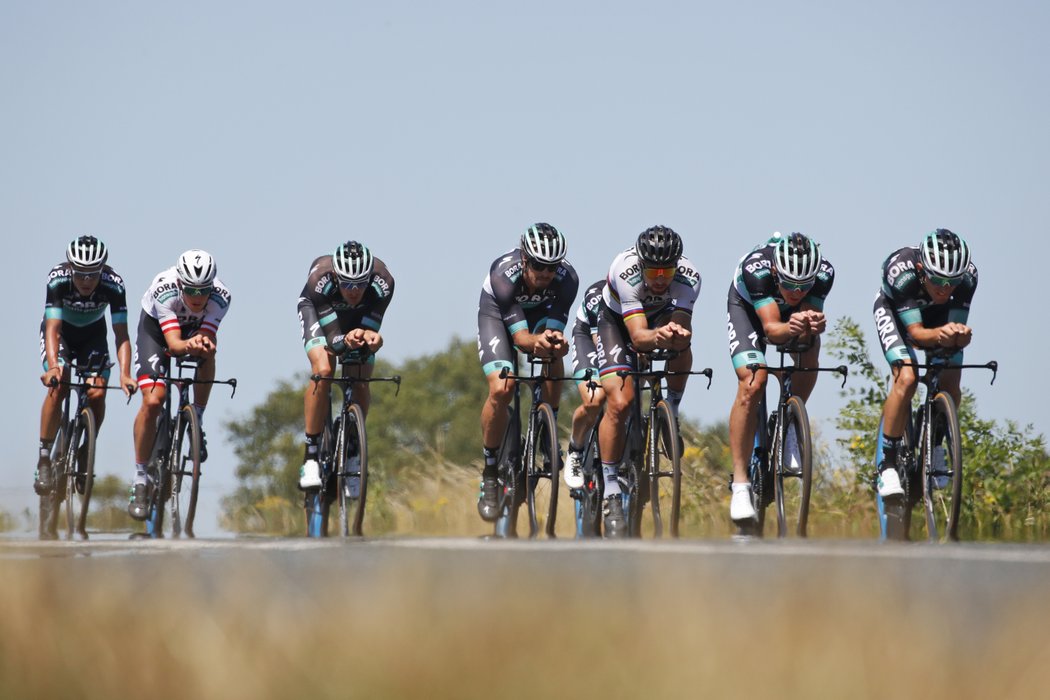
(181, 312)
(526, 298)
(78, 293)
(341, 309)
(647, 304)
(924, 302)
(778, 292)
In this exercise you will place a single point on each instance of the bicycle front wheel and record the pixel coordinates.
(80, 474)
(542, 463)
(186, 456)
(940, 455)
(51, 503)
(793, 473)
(352, 468)
(665, 471)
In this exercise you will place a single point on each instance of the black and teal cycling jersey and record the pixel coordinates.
(65, 303)
(507, 306)
(903, 301)
(754, 286)
(325, 316)
(584, 330)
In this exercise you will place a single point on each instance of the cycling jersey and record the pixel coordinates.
(83, 329)
(164, 311)
(903, 301)
(584, 352)
(325, 316)
(627, 296)
(755, 286)
(506, 306)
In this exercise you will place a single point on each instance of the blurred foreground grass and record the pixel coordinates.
(355, 621)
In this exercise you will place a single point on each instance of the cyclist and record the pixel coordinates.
(181, 312)
(647, 304)
(526, 298)
(778, 292)
(584, 370)
(924, 302)
(78, 293)
(341, 308)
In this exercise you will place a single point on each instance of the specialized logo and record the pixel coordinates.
(494, 343)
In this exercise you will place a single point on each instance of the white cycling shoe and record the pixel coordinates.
(310, 475)
(573, 472)
(740, 507)
(889, 483)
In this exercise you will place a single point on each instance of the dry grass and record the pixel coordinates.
(339, 622)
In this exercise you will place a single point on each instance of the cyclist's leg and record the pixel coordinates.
(316, 405)
(50, 416)
(150, 358)
(896, 410)
(496, 352)
(683, 362)
(745, 348)
(612, 430)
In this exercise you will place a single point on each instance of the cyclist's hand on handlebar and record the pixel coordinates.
(679, 336)
(550, 343)
(798, 323)
(355, 339)
(817, 321)
(373, 340)
(51, 376)
(128, 385)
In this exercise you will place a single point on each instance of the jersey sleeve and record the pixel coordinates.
(825, 280)
(218, 305)
(561, 307)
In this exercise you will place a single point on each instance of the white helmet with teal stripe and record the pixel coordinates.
(797, 258)
(944, 254)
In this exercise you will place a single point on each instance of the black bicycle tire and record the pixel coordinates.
(77, 503)
(591, 492)
(49, 503)
(511, 477)
(795, 414)
(544, 429)
(664, 428)
(352, 511)
(943, 405)
(634, 466)
(193, 429)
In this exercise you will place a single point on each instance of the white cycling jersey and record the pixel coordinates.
(627, 295)
(163, 301)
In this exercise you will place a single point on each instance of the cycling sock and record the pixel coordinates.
(491, 455)
(612, 484)
(889, 449)
(573, 447)
(140, 473)
(45, 446)
(199, 410)
(674, 398)
(313, 445)
(738, 486)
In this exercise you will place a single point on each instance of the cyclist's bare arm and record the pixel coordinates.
(546, 343)
(200, 344)
(52, 326)
(950, 335)
(663, 337)
(120, 334)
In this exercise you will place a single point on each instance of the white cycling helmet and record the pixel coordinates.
(196, 268)
(544, 243)
(87, 254)
(353, 262)
(797, 258)
(944, 254)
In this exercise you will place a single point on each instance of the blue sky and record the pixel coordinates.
(269, 132)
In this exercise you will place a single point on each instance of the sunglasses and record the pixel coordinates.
(943, 281)
(543, 267)
(196, 291)
(85, 276)
(353, 286)
(654, 273)
(797, 286)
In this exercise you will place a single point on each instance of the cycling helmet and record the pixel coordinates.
(87, 253)
(944, 254)
(797, 258)
(196, 268)
(658, 246)
(544, 243)
(353, 262)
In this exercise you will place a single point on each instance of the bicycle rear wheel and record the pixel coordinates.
(665, 471)
(80, 474)
(187, 472)
(542, 462)
(589, 496)
(942, 485)
(793, 486)
(315, 502)
(352, 496)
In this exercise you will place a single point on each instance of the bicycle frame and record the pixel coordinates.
(919, 434)
(167, 468)
(641, 448)
(513, 461)
(762, 469)
(336, 453)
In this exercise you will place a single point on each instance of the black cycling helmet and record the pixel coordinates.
(658, 246)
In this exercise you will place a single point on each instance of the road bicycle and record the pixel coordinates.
(936, 476)
(343, 455)
(73, 452)
(651, 470)
(174, 468)
(774, 479)
(529, 465)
